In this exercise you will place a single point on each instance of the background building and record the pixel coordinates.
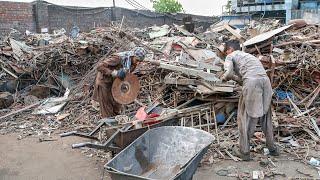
(279, 9)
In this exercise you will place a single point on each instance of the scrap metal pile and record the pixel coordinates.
(291, 56)
(37, 67)
(47, 81)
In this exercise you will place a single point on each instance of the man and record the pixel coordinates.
(115, 66)
(255, 101)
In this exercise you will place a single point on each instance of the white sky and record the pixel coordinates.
(199, 7)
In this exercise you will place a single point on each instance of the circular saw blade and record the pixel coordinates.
(127, 90)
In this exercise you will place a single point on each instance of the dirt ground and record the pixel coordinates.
(284, 166)
(30, 159)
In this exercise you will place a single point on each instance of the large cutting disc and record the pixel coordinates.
(127, 90)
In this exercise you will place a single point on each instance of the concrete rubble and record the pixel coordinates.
(47, 83)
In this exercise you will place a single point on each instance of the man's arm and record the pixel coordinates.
(228, 68)
(107, 66)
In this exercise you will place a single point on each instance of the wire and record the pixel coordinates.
(143, 7)
(136, 5)
(129, 2)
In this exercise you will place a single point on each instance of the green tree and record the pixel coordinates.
(167, 6)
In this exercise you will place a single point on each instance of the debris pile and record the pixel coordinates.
(52, 77)
(34, 71)
(291, 56)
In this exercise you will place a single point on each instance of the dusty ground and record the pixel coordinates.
(30, 159)
(284, 166)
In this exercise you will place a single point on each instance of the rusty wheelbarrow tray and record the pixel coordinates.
(170, 152)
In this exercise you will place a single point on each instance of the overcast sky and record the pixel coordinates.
(200, 7)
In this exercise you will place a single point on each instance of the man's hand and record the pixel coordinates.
(121, 73)
(114, 73)
(237, 79)
(221, 76)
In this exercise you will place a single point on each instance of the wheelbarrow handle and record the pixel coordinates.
(68, 133)
(79, 145)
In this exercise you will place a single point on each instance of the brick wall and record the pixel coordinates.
(40, 14)
(17, 15)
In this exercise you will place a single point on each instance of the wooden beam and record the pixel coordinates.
(233, 32)
(179, 81)
(187, 71)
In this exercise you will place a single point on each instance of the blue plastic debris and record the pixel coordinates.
(220, 118)
(282, 95)
(74, 33)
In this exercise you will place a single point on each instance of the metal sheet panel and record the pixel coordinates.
(264, 36)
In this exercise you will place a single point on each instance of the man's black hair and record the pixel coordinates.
(235, 44)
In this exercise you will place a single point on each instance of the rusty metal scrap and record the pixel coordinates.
(180, 74)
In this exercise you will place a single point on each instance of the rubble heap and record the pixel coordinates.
(52, 76)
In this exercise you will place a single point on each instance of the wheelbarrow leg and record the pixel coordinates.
(89, 135)
(105, 145)
(98, 146)
(75, 133)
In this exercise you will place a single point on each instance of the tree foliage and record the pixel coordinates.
(167, 6)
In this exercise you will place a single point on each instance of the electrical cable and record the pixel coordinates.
(143, 7)
(143, 10)
(133, 5)
(136, 5)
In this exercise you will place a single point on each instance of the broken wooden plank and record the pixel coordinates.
(305, 112)
(222, 89)
(179, 81)
(187, 71)
(315, 95)
(308, 97)
(254, 49)
(311, 42)
(311, 134)
(186, 103)
(229, 118)
(258, 49)
(218, 29)
(233, 32)
(9, 72)
(232, 156)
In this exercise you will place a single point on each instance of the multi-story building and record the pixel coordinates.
(279, 9)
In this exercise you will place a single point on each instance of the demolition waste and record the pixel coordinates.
(47, 84)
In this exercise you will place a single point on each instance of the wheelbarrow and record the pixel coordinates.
(169, 152)
(118, 138)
